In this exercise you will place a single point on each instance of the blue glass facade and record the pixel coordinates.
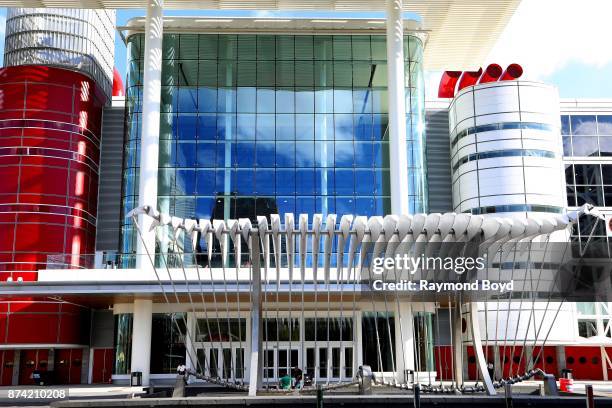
(587, 141)
(259, 124)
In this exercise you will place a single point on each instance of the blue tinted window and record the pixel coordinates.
(604, 125)
(305, 181)
(264, 182)
(324, 181)
(364, 154)
(362, 127)
(285, 154)
(324, 154)
(277, 124)
(244, 182)
(285, 127)
(206, 154)
(185, 182)
(285, 181)
(344, 154)
(244, 155)
(605, 145)
(266, 125)
(345, 182)
(206, 183)
(304, 154)
(265, 154)
(343, 126)
(207, 127)
(585, 146)
(304, 127)
(584, 125)
(186, 126)
(245, 126)
(207, 99)
(186, 154)
(285, 101)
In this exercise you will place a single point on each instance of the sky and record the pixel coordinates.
(562, 42)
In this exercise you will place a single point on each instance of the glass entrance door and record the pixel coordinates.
(279, 361)
(221, 361)
(329, 363)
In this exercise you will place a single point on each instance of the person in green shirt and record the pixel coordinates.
(285, 382)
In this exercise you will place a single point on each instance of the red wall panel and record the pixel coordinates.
(585, 362)
(31, 360)
(102, 369)
(7, 357)
(49, 154)
(49, 157)
(67, 366)
(547, 360)
(443, 356)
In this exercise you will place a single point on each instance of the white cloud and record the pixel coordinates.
(546, 35)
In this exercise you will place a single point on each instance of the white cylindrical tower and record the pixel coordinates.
(81, 39)
(506, 151)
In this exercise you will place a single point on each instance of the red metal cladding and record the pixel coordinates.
(469, 78)
(448, 82)
(491, 74)
(585, 362)
(118, 88)
(102, 369)
(512, 72)
(50, 121)
(54, 322)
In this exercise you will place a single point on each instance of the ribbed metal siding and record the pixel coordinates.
(109, 195)
(439, 182)
(83, 40)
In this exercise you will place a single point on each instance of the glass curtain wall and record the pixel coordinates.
(260, 124)
(123, 343)
(587, 140)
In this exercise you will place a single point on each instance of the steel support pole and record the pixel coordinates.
(457, 325)
(149, 137)
(477, 343)
(256, 357)
(398, 158)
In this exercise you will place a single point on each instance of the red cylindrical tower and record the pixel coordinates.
(49, 159)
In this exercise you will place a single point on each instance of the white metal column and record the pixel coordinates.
(404, 340)
(149, 137)
(397, 108)
(141, 338)
(190, 350)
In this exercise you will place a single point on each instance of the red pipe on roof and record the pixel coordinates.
(469, 78)
(447, 84)
(491, 74)
(118, 88)
(514, 71)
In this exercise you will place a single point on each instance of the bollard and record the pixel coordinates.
(590, 399)
(365, 377)
(319, 396)
(417, 396)
(508, 395)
